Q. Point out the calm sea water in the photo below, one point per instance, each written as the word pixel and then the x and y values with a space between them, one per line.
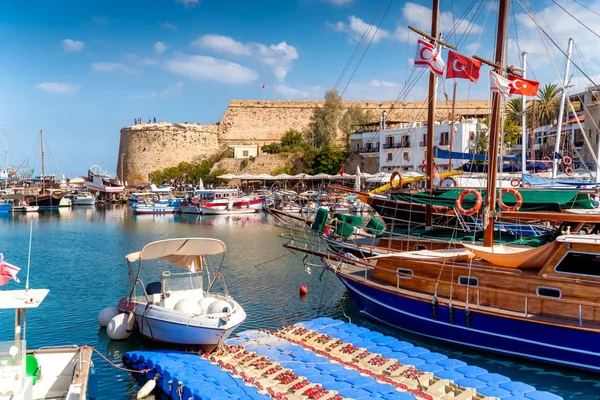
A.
pixel 79 255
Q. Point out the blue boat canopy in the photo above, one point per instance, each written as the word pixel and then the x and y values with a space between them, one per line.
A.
pixel 440 153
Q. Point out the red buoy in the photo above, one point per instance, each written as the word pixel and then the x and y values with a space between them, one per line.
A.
pixel 303 290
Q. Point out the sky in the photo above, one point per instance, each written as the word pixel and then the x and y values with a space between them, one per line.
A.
pixel 81 70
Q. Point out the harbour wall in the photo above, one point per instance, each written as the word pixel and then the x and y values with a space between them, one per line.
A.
pixel 148 147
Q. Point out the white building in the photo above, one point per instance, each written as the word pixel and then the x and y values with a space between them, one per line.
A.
pixel 245 151
pixel 404 148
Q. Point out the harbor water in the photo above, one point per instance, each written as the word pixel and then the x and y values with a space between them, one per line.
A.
pixel 79 255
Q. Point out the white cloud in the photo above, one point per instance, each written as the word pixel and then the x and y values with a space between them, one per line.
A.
pixel 170 91
pixel 100 20
pixel 302 92
pixel 188 3
pixel 58 87
pixel 72 46
pixel 356 28
pixel 168 25
pixel 375 89
pixel 113 67
pixel 222 44
pixel 159 48
pixel 279 57
pixel 420 17
pixel 209 68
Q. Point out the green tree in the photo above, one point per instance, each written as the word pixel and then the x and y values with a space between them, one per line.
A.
pixel 326 160
pixel 292 138
pixel 353 116
pixel 324 123
pixel 513 110
pixel 547 105
pixel 512 132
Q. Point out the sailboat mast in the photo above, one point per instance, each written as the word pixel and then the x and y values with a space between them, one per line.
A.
pixel 42 147
pixel 431 115
pixel 452 127
pixel 490 206
pixel 523 120
pixel 562 109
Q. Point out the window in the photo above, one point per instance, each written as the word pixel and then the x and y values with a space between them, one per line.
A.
pixel 548 292
pixel 389 157
pixel 424 141
pixel 590 133
pixel 471 135
pixel 444 138
pixel 404 273
pixel 357 146
pixel 579 140
pixel 406 157
pixel 389 141
pixel 465 280
pixel 579 264
pixel 405 141
pixel 245 153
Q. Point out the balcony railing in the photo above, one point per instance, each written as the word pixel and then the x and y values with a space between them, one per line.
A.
pixel 401 145
pixel 444 142
pixel 422 144
pixel 369 150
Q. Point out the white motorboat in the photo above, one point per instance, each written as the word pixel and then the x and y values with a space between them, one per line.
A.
pixel 228 210
pixel 47 373
pixel 160 206
pixel 102 182
pixel 179 309
pixel 163 189
pixel 84 199
pixel 24 209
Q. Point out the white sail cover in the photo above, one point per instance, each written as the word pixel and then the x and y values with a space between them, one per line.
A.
pixel 184 252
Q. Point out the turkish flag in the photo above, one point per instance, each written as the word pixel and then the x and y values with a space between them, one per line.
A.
pixel 464 67
pixel 522 86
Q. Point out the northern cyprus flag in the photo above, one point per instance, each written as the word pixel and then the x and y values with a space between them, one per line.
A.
pixel 428 56
pixel 499 84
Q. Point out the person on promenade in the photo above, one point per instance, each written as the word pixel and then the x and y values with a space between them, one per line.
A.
pixel 154 119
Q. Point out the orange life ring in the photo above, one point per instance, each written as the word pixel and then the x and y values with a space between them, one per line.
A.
pixel 526 184
pixel 396 174
pixel 517 195
pixel 461 197
pixel 515 182
pixel 569 171
pixel 546 160
pixel 567 160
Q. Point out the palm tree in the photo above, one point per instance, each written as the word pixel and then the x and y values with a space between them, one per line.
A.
pixel 547 105
pixel 513 110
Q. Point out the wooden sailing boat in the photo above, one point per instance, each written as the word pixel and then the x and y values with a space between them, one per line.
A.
pixel 544 305
pixel 48 198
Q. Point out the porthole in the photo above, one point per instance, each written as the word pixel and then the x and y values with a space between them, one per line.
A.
pixel 468 281
pixel 543 291
pixel 404 273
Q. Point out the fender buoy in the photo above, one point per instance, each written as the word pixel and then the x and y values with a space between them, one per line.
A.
pixel 303 290
pixel 546 160
pixel 526 184
pixel 569 171
pixel 396 183
pixel 461 197
pixel 567 160
pixel 515 182
pixel 451 179
pixel 517 195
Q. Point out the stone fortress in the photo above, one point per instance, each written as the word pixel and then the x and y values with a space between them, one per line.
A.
pixel 149 147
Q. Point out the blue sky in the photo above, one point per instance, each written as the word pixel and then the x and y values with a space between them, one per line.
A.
pixel 81 70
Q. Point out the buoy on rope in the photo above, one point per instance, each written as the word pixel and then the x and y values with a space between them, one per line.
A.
pixel 106 315
pixel 121 326
pixel 147 388
pixel 303 290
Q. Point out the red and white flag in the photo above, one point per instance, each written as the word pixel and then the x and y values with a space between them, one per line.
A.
pixel 428 56
pixel 263 85
pixel 7 271
pixel 499 84
pixel 522 86
pixel 464 67
pixel 341 171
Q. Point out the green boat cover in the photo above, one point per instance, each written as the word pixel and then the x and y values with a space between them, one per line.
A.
pixel 533 200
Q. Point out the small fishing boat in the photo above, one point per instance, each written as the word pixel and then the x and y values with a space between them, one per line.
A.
pixel 159 206
pixel 181 309
pixel 230 209
pixel 84 199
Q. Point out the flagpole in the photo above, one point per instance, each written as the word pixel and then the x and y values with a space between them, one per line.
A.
pixel 562 110
pixel 523 120
pixel 452 127
pixel 431 115
pixel 29 255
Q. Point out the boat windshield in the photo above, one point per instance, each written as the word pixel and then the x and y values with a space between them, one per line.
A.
pixel 182 281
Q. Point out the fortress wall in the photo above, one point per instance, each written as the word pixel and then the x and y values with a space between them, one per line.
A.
pixel 149 147
pixel 254 121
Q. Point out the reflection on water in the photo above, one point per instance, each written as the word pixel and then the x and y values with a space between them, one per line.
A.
pixel 79 255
